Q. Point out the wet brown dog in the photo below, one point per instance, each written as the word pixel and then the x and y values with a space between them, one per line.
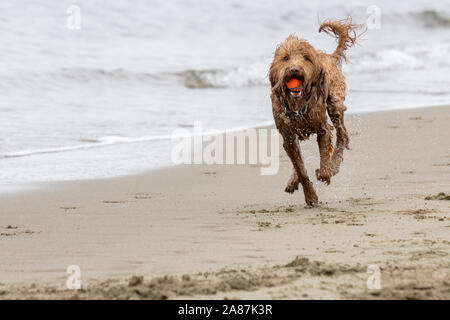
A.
pixel 301 112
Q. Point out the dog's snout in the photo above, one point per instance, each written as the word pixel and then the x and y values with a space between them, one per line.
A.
pixel 295 70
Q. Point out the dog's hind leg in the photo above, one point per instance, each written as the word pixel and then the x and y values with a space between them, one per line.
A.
pixel 336 110
pixel 292 148
pixel 324 138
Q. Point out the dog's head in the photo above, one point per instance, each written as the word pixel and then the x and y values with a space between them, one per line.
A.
pixel 297 59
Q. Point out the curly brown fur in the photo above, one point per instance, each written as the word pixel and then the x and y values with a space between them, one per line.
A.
pixel 297 116
pixel 344 31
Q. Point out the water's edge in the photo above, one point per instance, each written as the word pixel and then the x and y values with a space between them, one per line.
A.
pixel 14 188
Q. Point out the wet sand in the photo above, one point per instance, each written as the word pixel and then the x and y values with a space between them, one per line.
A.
pixel 225 231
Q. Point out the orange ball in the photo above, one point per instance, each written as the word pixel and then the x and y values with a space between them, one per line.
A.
pixel 294 83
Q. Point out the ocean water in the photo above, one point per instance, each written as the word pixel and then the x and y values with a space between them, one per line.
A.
pixel 103 100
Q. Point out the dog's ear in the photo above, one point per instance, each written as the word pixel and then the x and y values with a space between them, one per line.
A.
pixel 274 82
pixel 322 85
pixel 272 76
pixel 318 88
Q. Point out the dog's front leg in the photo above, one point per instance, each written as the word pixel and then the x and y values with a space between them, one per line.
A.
pixel 326 152
pixel 292 149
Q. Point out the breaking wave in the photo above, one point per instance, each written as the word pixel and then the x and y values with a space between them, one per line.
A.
pixel 433 18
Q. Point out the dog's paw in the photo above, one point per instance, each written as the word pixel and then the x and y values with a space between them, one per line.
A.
pixel 324 175
pixel 334 171
pixel 292 186
pixel 311 199
pixel 334 168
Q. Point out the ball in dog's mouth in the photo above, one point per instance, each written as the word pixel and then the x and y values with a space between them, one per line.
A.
pixel 295 87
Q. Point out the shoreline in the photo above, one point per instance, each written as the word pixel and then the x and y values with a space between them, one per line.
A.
pixel 30 186
pixel 192 219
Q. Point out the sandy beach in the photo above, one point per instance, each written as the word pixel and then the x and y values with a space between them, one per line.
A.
pixel 225 231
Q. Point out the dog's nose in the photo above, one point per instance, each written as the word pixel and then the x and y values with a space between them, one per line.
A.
pixel 295 70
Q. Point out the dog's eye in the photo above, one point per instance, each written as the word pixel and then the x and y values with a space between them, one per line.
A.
pixel 286 58
pixel 307 58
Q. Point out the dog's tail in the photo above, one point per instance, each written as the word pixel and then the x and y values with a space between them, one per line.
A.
pixel 344 31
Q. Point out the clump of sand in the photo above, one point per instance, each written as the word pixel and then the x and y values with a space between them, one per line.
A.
pixel 207 283
pixel 439 196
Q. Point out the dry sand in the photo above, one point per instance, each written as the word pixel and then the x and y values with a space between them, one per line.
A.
pixel 227 232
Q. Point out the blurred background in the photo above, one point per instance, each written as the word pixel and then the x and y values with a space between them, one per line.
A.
pixel 103 100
